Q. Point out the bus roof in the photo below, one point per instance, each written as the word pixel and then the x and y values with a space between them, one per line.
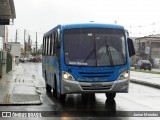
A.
pixel 92 25
pixel 86 25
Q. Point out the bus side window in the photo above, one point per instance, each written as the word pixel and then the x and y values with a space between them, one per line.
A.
pixel 45 45
pixel 54 49
pixel 49 45
pixel 53 45
pixel 57 44
pixel 50 50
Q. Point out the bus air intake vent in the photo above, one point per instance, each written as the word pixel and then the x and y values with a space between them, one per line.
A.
pixel 96 74
pixel 96 87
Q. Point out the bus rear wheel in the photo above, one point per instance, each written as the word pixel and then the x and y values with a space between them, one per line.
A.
pixel 48 87
pixel 110 95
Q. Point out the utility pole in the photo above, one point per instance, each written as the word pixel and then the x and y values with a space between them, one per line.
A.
pixel 139 50
pixel 36 43
pixel 29 45
pixel 24 43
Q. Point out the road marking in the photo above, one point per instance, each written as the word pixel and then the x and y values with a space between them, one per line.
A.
pixel 7 95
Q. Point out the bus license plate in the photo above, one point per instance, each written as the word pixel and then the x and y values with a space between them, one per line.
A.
pixel 96 85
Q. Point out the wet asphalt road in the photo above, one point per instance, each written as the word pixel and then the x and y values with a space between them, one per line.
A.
pixel 77 106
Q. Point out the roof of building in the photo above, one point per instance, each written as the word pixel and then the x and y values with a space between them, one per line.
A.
pixel 7 12
pixel 11 43
pixel 150 38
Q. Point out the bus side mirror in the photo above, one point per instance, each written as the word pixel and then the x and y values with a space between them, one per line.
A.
pixel 130 47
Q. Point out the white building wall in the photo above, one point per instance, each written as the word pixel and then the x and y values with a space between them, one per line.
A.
pixel 2 30
pixel 1 43
pixel 15 49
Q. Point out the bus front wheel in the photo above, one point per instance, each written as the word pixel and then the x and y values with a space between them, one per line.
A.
pixel 110 95
pixel 55 87
pixel 60 96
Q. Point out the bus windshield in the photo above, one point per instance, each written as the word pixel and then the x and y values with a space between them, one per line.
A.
pixel 94 47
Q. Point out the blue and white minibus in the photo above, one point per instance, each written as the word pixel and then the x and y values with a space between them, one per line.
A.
pixel 87 58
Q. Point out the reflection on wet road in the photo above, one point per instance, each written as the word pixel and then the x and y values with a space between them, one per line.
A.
pixel 138 99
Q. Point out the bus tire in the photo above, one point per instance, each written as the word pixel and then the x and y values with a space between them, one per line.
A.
pixel 110 95
pixel 55 87
pixel 48 87
pixel 61 97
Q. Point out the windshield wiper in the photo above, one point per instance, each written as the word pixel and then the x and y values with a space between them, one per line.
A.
pixel 92 51
pixel 89 55
pixel 109 53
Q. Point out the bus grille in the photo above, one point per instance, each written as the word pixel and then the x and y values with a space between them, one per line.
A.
pixel 96 74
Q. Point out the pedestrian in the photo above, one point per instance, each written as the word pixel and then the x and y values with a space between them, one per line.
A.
pixel 17 60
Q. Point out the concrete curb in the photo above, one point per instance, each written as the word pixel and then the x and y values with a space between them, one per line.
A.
pixel 145 83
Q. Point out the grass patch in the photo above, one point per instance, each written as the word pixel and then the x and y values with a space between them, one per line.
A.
pixel 145 71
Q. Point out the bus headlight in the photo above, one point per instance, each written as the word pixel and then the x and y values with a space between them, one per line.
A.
pixel 124 75
pixel 67 76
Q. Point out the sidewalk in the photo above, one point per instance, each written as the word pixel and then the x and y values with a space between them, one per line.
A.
pixel 153 69
pixel 148 79
pixel 17 87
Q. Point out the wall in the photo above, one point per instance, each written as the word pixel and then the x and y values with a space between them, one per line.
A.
pixel 15 49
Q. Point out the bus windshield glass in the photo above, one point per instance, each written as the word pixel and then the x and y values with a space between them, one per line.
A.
pixel 94 47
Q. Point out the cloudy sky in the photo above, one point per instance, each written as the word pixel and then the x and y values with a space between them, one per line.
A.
pixel 138 16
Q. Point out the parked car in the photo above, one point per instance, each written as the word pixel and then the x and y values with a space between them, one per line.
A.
pixel 21 59
pixel 143 64
pixel 36 59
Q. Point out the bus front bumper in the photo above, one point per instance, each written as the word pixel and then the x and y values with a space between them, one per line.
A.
pixel 69 87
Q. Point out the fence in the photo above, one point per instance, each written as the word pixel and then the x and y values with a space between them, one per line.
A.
pixel 1 63
pixel 5 63
pixel 9 62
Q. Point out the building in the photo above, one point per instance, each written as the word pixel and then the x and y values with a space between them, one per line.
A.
pixel 3 49
pixel 2 36
pixel 148 47
pixel 7 16
pixel 15 48
pixel 7 12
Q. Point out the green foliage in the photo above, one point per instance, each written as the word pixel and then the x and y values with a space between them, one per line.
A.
pixel 35 54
